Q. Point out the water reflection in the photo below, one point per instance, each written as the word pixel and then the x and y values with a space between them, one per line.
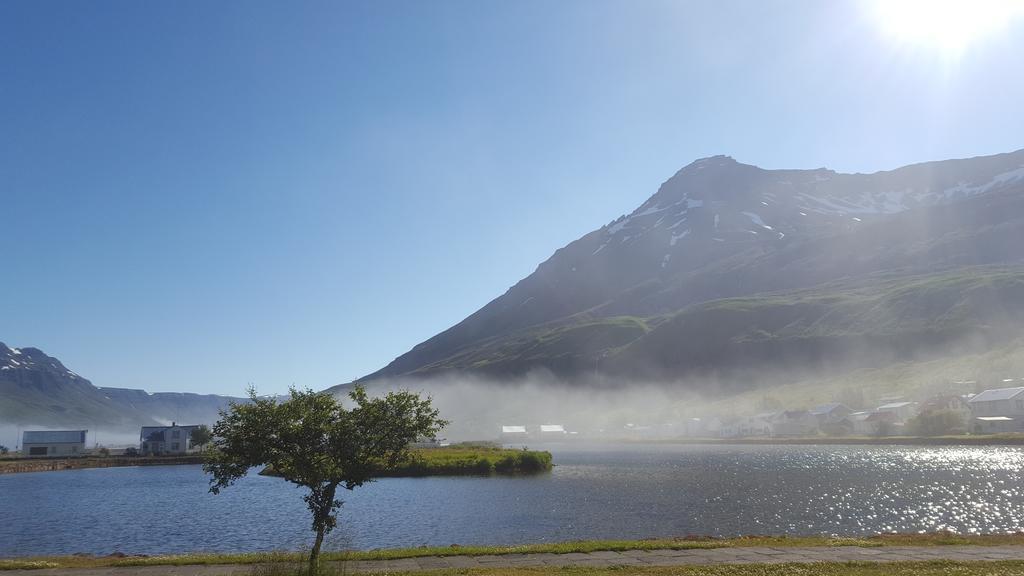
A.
pixel 594 492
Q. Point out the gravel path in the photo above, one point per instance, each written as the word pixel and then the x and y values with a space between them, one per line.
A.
pixel 738 555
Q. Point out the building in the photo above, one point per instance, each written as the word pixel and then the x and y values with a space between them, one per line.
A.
pixel 553 430
pixel 166 440
pixel 872 423
pixel 951 403
pixel 513 433
pixel 1001 403
pixel 53 442
pixel 994 425
pixel 757 425
pixel 901 411
pixel 831 413
pixel 794 423
pixel 833 419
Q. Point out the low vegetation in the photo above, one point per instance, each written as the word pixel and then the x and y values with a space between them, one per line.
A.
pixel 477 459
pixel 686 543
pixel 23 464
pixel 473 460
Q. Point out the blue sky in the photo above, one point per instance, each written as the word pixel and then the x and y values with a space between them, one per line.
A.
pixel 200 195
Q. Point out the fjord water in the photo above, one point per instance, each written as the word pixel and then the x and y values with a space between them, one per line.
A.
pixel 622 491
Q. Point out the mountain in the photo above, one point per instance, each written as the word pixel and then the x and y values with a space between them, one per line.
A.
pixel 729 268
pixel 38 390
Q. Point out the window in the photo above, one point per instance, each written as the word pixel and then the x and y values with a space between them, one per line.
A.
pixel 174 446
pixel 176 434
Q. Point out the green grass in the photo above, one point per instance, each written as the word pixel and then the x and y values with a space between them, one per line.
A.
pixel 478 459
pixel 937 568
pixel 474 460
pixel 936 539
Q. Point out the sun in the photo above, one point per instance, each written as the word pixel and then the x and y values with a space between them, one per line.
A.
pixel 947 25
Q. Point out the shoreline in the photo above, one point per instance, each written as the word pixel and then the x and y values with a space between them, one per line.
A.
pixel 929 540
pixel 969 440
pixel 29 465
pixel 448 461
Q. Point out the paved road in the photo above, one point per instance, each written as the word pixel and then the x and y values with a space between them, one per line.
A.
pixel 600 560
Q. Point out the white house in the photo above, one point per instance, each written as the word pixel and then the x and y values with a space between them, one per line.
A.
pixel 53 442
pixel 872 423
pixel 994 425
pixel 757 425
pixel 166 440
pixel 900 411
pixel 513 433
pixel 998 403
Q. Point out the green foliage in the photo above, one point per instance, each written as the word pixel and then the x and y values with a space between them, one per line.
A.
pixel 3 449
pixel 936 423
pixel 313 441
pixel 201 436
pixel 103 452
pixel 478 460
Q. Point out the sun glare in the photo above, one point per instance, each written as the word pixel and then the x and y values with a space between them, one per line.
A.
pixel 948 25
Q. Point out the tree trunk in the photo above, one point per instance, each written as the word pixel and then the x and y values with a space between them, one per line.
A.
pixel 314 554
pixel 323 524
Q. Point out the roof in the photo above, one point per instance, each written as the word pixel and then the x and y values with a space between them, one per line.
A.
pixel 156 433
pixel 552 428
pixel 825 408
pixel 53 437
pixel 513 429
pixel 997 394
pixel 894 405
pixel 995 418
pixel 860 416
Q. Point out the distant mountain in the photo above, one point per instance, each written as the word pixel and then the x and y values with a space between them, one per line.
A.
pixel 730 268
pixel 38 390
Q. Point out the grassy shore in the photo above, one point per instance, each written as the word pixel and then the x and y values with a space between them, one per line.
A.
pixel 689 543
pixel 478 459
pixel 18 465
pixel 938 568
pixel 823 569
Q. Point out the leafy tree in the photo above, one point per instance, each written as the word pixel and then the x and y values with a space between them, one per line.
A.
pixel 3 449
pixel 313 441
pixel 201 436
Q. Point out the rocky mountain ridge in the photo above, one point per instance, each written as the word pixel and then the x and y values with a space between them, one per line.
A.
pixel 722 229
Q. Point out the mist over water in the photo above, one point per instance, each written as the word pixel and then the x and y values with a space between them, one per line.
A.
pixel 477 408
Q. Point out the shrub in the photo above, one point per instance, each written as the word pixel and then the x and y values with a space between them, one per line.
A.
pixel 936 423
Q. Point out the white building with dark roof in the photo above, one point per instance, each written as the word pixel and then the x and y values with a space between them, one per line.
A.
pixel 162 440
pixel 900 411
pixel 999 409
pixel 53 442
